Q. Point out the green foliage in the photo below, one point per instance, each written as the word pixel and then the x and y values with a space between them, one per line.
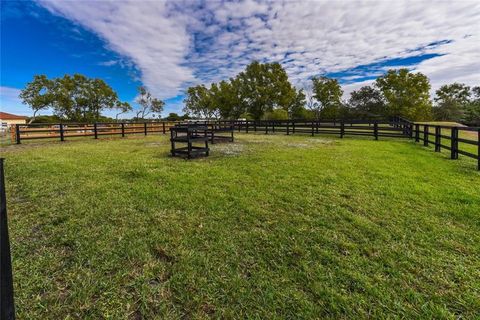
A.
pixel 367 102
pixel 227 99
pixel 260 88
pixel 199 103
pixel 328 94
pixel 407 94
pixel 276 114
pixel 265 86
pixel 472 110
pixel 38 94
pixel 148 104
pixel 78 98
pixel 451 101
pixel 46 119
pixel 72 98
pixel 173 117
pixel 122 107
pixel 296 105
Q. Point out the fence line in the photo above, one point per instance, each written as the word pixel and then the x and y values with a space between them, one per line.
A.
pixel 397 128
pixel 62 131
pixel 434 134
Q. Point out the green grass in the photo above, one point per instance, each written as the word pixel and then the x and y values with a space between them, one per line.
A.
pixel 268 227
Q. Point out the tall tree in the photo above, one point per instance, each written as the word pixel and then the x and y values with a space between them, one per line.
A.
pixel 199 102
pixel 367 102
pixel 38 95
pixel 148 104
pixel 407 94
pixel 328 94
pixel 264 86
pixel 227 100
pixel 295 104
pixel 79 98
pixel 451 101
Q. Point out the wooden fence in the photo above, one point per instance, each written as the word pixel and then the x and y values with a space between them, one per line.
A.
pixel 458 140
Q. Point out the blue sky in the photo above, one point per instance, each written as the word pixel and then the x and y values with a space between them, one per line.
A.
pixel 168 46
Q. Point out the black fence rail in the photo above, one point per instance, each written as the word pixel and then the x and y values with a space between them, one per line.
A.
pixel 374 129
pixel 456 139
pixel 63 131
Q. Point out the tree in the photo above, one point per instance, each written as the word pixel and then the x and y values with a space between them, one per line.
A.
pixel 78 98
pixel 148 104
pixel 38 95
pixel 472 111
pixel 328 94
pixel 295 103
pixel 199 102
pixel 226 99
pixel 173 117
pixel 70 97
pixel 451 101
pixel 406 93
pixel 276 114
pixel 367 102
pixel 122 107
pixel 264 86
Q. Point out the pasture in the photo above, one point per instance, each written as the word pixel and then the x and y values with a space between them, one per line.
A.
pixel 267 227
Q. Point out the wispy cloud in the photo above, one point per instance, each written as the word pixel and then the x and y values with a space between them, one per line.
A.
pixel 174 44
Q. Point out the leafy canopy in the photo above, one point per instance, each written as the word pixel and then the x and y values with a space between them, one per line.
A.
pixel 74 98
pixel 406 93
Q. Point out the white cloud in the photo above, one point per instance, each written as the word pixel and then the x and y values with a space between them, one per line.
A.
pixel 140 31
pixel 176 43
pixel 11 103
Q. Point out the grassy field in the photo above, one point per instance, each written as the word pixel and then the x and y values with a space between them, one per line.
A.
pixel 268 227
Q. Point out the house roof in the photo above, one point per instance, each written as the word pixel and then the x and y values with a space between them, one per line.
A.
pixel 9 116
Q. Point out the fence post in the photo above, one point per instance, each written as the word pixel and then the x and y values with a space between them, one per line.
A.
pixel 454 143
pixel 478 148
pixel 7 305
pixel 123 130
pixel 17 133
pixel 417 132
pixel 375 130
pixel 313 128
pixel 163 127
pixel 438 132
pixel 410 128
pixel 342 129
pixel 95 131
pixel 293 131
pixel 145 128
pixel 266 127
pixel 62 138
pixel 425 135
pixel 288 127
pixel 255 125
pixel 273 126
pixel 246 126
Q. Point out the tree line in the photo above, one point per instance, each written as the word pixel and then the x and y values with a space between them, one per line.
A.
pixel 263 91
pixel 82 99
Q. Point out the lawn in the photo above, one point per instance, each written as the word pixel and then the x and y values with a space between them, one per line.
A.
pixel 268 227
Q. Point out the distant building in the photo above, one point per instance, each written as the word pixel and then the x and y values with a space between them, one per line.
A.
pixel 8 119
